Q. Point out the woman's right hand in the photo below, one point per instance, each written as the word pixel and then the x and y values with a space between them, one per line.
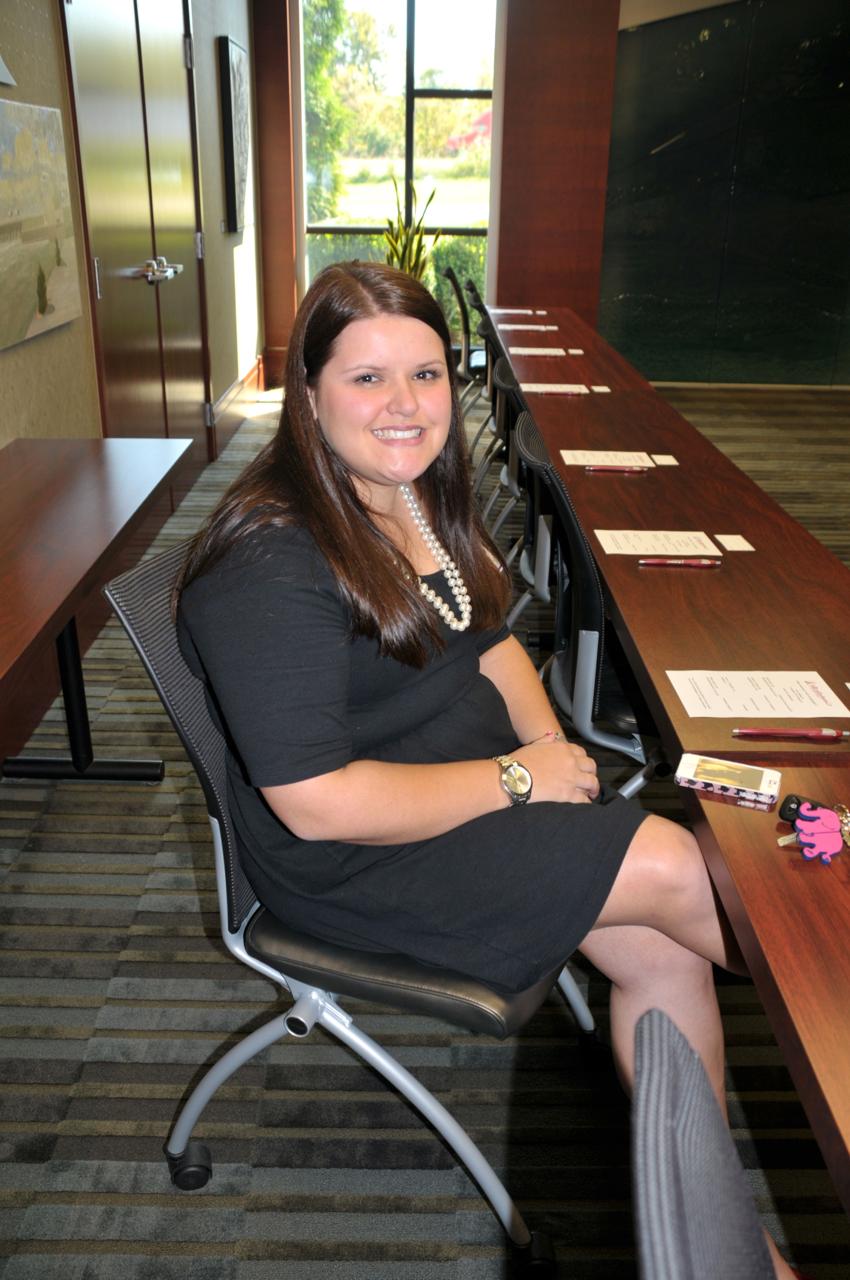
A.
pixel 560 771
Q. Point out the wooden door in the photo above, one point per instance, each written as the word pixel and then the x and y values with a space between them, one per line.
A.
pixel 133 105
pixel 110 122
pixel 176 216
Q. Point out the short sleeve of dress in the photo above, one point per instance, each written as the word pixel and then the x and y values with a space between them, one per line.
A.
pixel 485 640
pixel 273 639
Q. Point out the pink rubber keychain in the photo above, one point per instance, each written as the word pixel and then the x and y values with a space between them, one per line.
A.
pixel 822 832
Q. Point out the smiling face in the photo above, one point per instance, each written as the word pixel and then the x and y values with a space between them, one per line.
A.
pixel 383 402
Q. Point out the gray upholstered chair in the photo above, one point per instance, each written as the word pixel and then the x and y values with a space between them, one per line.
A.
pixel 694 1212
pixel 313 972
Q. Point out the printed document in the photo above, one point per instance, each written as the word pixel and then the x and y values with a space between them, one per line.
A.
pixel 605 458
pixel 781 694
pixel 656 542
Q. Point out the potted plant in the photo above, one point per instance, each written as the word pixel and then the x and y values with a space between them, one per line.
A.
pixel 406 246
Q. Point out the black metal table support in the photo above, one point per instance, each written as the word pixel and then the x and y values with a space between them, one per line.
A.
pixel 82 764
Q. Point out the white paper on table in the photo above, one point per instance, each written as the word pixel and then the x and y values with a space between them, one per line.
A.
pixel 733 542
pixel 605 457
pixel 601 388
pixel 665 460
pixel 536 351
pixel 538 328
pixel 656 542
pixel 513 311
pixel 575 351
pixel 781 694
pixel 555 388
pixel 538 312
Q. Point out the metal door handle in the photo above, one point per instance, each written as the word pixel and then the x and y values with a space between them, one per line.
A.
pixel 168 270
pixel 155 270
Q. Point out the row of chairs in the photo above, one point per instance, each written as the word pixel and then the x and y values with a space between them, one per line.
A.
pixel 315 975
pixel 588 676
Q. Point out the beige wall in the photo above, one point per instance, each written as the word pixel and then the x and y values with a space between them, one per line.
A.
pixel 48 384
pixel 232 269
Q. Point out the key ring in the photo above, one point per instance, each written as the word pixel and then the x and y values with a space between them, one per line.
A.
pixel 844 821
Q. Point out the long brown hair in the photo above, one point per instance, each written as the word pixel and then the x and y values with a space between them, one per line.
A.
pixel 298 479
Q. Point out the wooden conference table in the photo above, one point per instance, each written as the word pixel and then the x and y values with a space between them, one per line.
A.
pixel 66 508
pixel 792 921
pixel 784 606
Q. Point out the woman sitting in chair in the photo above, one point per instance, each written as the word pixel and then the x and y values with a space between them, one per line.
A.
pixel 398 778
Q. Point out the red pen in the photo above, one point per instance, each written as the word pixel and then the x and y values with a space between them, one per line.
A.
pixel 613 467
pixel 805 735
pixel 679 562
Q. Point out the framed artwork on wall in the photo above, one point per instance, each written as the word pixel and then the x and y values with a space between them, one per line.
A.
pixel 6 76
pixel 39 286
pixel 236 128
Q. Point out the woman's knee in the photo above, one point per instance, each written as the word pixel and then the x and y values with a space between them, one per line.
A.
pixel 664 871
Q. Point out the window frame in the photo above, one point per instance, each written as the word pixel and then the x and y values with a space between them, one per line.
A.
pixel 411 94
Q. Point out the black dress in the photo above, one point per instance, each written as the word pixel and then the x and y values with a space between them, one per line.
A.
pixel 505 897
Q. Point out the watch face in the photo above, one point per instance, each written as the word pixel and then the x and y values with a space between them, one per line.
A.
pixel 517 779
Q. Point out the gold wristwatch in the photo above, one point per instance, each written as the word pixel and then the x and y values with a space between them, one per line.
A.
pixel 515 779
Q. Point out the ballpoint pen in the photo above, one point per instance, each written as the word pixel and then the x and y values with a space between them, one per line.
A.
pixel 679 562
pixel 805 735
pixel 613 467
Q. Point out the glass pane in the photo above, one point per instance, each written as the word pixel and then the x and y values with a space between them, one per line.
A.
pixel 451 148
pixel 354 69
pixel 454 44
pixel 368 197
pixel 322 250
pixel 467 255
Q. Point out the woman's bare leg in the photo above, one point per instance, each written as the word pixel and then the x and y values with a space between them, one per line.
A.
pixel 656 938
pixel 650 971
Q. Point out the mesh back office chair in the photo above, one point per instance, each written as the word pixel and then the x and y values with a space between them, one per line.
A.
pixel 475 297
pixel 694 1211
pixel 488 395
pixel 493 348
pixel 472 366
pixel 583 680
pixel 510 482
pixel 536 545
pixel 312 971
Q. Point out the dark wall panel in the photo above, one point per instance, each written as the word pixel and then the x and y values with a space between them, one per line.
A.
pixel 784 287
pixel 727 232
pixel 676 111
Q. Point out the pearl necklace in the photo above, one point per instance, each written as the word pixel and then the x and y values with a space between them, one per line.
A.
pixel 446 564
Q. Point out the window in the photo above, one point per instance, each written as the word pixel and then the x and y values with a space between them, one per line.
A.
pixel 398 89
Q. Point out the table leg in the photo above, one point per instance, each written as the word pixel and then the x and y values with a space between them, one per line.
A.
pixel 82 764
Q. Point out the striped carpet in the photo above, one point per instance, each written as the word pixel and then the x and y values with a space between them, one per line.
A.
pixel 115 992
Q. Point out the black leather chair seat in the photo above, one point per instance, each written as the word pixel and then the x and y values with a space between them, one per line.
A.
pixel 396 979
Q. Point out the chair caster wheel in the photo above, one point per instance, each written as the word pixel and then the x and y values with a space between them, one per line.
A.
pixel 537 1260
pixel 192 1169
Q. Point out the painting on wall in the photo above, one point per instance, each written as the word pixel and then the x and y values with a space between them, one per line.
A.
pixel 39 288
pixel 236 126
pixel 6 76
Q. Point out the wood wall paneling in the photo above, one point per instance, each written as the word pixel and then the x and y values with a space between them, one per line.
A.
pixel 558 94
pixel 230 409
pixel 274 160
